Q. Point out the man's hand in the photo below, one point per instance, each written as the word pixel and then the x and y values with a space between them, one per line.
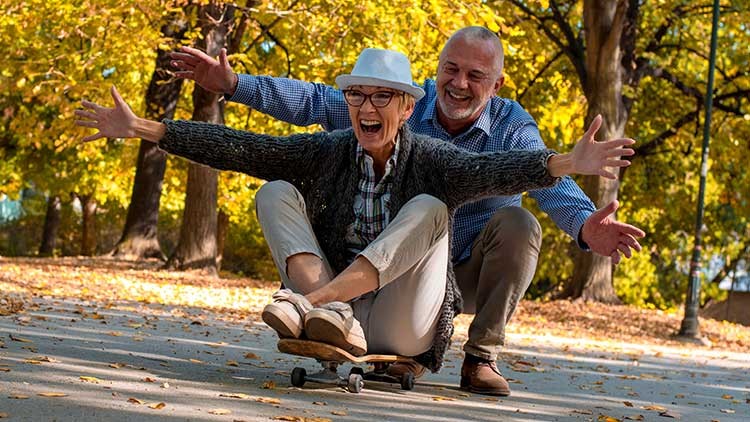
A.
pixel 116 122
pixel 609 237
pixel 211 74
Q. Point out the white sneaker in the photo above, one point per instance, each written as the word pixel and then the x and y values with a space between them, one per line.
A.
pixel 286 314
pixel 334 324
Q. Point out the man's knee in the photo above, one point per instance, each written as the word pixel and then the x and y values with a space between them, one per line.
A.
pixel 515 223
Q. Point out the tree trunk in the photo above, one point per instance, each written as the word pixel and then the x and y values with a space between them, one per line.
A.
pixel 222 225
pixel 51 226
pixel 139 237
pixel 604 25
pixel 196 248
pixel 88 237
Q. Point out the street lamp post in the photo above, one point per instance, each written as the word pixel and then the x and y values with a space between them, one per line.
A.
pixel 689 327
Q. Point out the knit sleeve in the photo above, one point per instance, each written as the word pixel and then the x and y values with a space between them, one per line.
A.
pixel 263 156
pixel 470 176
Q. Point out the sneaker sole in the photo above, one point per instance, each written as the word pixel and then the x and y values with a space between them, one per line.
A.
pixel 326 329
pixel 283 325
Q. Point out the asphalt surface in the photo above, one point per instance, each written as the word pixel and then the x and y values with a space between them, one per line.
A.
pixel 73 361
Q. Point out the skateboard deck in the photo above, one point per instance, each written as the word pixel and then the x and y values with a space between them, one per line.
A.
pixel 329 353
pixel 331 357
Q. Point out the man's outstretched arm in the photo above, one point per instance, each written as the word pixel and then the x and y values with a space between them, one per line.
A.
pixel 289 100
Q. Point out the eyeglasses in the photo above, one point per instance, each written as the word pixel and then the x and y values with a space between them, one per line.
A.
pixel 378 99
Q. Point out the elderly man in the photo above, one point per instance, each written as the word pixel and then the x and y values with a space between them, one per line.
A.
pixel 495 241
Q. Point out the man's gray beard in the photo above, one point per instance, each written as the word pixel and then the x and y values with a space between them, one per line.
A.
pixel 454 115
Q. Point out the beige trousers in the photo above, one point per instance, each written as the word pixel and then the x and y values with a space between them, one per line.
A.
pixel 411 256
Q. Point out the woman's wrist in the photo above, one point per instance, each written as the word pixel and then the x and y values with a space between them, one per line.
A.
pixel 149 130
pixel 559 165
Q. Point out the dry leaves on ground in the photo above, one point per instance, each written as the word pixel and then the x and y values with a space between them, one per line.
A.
pixel 234 298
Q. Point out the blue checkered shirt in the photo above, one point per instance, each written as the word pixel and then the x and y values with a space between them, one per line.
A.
pixel 371 214
pixel 503 125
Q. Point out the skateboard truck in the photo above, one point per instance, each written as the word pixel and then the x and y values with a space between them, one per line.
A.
pixel 330 357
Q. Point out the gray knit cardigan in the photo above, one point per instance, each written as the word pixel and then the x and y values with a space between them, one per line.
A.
pixel 323 167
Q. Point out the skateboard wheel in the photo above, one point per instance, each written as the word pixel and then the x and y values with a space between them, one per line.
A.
pixel 357 370
pixel 298 377
pixel 355 383
pixel 407 381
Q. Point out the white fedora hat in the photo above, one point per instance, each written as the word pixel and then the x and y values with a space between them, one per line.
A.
pixel 386 68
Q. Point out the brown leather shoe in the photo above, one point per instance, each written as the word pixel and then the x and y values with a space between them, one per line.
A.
pixel 483 377
pixel 398 369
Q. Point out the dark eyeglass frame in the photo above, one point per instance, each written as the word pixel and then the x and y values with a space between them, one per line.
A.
pixel 370 97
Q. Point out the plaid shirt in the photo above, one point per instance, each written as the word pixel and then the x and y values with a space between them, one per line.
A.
pixel 503 126
pixel 371 214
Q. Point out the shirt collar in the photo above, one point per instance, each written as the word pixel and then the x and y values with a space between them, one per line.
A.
pixel 391 161
pixel 484 122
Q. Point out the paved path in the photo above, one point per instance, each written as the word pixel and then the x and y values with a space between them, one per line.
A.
pixel 112 362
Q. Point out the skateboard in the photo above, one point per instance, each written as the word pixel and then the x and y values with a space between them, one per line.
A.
pixel 330 357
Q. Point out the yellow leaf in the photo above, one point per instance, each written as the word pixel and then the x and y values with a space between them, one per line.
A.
pixel 440 398
pixel 268 385
pixel 220 412
pixel 135 401
pixel 655 407
pixel 18 396
pixel 606 418
pixel 235 395
pixel 52 395
pixel 727 396
pixel 115 334
pixel 196 361
pixel 157 406
pixel 268 400
pixel 116 365
pixel 89 379
pixel 338 413
pixel 232 363
pixel 250 355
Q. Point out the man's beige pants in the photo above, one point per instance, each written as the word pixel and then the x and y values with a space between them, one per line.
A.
pixel 411 256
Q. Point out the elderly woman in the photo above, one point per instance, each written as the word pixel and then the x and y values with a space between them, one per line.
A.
pixel 358 221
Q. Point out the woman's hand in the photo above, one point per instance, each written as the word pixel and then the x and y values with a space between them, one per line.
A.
pixel 592 157
pixel 117 122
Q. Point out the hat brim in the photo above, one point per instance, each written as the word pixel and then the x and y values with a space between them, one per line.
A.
pixel 345 81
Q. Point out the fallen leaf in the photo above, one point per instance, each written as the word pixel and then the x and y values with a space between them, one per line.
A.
pixel 115 334
pixel 320 403
pixel 441 398
pixel 338 413
pixel 583 411
pixel 634 417
pixel 149 379
pixel 18 396
pixel 196 361
pixel 668 414
pixel 235 395
pixel 490 399
pixel 679 396
pixel 4 415
pixel 4 369
pixel 116 365
pixel 727 396
pixel 655 407
pixel 135 401
pixel 32 361
pixel 607 418
pixel 727 411
pixel 251 355
pixel 157 406
pixel 165 385
pixel 628 404
pixel 268 400
pixel 52 394
pixel 220 412
pixel 19 339
pixel 232 363
pixel 90 379
pixel 268 385
pixel 47 359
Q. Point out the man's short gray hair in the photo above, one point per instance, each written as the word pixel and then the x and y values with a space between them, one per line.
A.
pixel 483 34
